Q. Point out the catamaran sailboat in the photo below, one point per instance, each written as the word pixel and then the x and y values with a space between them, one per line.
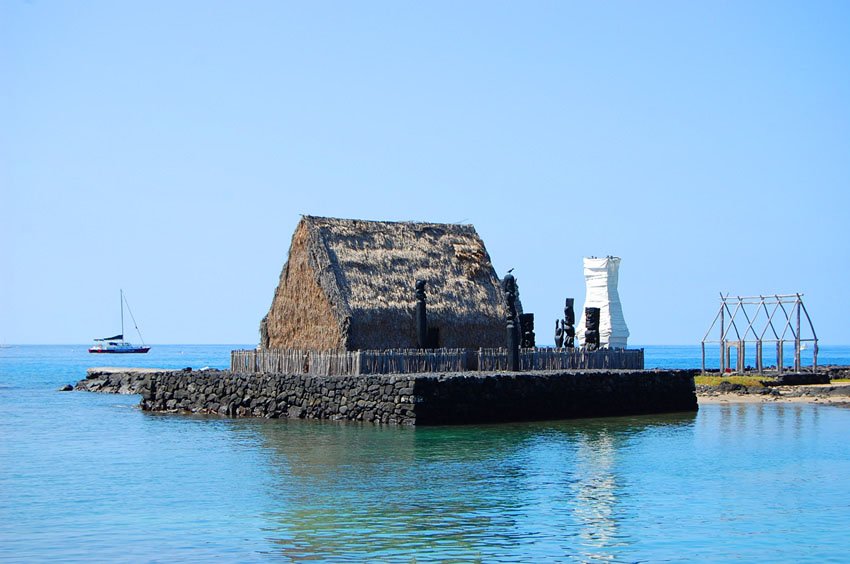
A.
pixel 116 344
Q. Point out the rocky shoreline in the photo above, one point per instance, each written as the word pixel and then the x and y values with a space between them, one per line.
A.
pixel 117 380
pixel 824 386
pixel 726 392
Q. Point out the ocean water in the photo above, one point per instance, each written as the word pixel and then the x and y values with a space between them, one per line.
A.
pixel 689 356
pixel 89 477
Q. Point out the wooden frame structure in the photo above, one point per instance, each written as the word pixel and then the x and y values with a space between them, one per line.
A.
pixel 762 314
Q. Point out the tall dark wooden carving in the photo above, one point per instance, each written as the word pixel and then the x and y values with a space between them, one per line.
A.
pixel 509 284
pixel 559 333
pixel 569 323
pixel 591 332
pixel 421 316
pixel 526 325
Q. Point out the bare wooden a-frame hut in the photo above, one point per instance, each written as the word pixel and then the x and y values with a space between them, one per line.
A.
pixel 349 284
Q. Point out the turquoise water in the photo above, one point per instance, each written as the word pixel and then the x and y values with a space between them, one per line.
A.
pixel 90 477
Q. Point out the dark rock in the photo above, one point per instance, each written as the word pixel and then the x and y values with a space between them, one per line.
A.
pixel 66 388
pixel 727 387
pixel 798 379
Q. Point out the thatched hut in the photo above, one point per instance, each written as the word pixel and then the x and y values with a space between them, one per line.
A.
pixel 349 284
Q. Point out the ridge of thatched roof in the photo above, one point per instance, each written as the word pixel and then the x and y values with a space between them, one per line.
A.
pixel 377 262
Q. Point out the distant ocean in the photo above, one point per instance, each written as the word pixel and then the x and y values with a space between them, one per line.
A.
pixel 90 477
pixel 690 356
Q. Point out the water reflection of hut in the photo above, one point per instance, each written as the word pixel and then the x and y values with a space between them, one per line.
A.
pixel 349 284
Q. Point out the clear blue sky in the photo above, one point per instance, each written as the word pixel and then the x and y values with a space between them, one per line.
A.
pixel 169 148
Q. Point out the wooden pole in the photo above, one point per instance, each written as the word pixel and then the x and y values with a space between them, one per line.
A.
pixel 421 319
pixel 741 357
pixel 722 337
pixel 510 325
pixel 797 338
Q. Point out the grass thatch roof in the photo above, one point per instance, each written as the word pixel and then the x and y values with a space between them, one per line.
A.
pixel 350 284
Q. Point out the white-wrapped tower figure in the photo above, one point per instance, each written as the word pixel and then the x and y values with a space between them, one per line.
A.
pixel 601 276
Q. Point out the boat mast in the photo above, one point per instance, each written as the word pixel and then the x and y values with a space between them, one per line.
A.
pixel 122 314
pixel 130 311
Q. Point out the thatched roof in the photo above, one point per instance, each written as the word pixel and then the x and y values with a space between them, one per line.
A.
pixel 350 284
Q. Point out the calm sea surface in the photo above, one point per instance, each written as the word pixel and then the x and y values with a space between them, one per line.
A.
pixel 90 477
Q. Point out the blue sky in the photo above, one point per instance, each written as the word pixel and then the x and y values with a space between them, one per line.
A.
pixel 169 148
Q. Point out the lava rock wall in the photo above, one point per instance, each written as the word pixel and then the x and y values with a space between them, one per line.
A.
pixel 422 399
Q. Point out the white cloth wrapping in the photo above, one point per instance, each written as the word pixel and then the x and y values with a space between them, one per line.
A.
pixel 601 276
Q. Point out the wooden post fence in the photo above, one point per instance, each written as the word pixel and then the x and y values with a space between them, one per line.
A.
pixel 405 361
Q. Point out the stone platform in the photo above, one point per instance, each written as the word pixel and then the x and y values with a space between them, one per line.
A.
pixel 407 399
